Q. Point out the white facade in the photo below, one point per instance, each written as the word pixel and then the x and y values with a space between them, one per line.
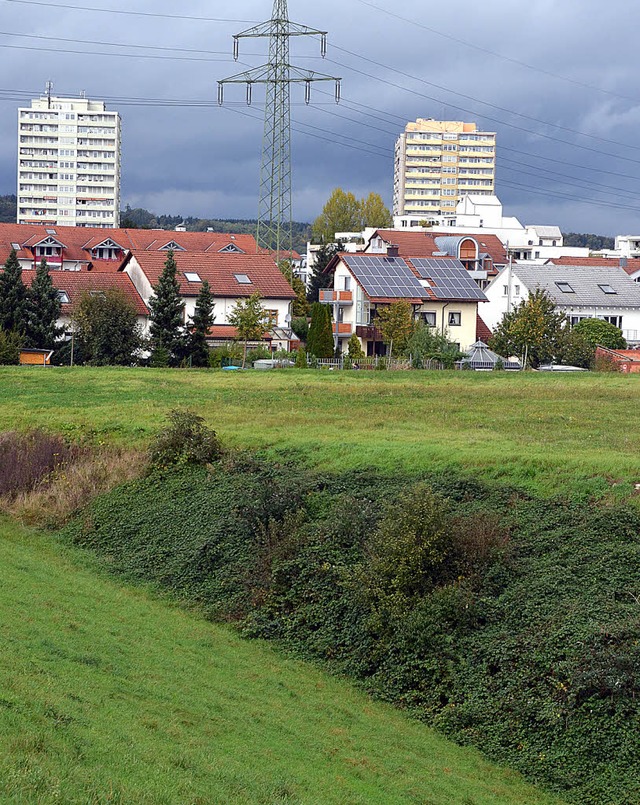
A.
pixel 69 154
pixel 530 243
pixel 583 296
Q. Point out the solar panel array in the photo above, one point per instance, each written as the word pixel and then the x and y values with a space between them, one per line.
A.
pixel 448 283
pixel 436 262
pixel 386 277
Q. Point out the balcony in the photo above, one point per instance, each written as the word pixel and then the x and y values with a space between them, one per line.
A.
pixel 368 332
pixel 330 296
pixel 342 328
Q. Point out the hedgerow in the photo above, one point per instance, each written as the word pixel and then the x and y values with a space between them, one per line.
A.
pixel 507 622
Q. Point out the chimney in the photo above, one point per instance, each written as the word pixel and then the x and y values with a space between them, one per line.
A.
pixel 393 250
pixel 623 262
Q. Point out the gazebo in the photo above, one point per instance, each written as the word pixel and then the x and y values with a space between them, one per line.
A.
pixel 480 357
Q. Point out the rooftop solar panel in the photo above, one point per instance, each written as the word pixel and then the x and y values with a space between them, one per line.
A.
pixel 451 282
pixel 388 277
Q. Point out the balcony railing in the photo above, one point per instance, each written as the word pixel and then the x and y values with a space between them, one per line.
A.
pixel 341 297
pixel 368 332
pixel 342 328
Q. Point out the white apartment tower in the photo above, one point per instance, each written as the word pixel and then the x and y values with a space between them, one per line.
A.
pixel 68 163
pixel 439 161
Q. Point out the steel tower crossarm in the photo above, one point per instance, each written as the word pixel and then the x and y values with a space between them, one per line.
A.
pixel 275 228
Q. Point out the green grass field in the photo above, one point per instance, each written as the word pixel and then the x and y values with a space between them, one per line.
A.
pixel 108 695
pixel 548 433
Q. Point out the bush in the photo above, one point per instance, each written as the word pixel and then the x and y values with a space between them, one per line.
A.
pixel 10 343
pixel 187 440
pixel 28 458
pixel 301 359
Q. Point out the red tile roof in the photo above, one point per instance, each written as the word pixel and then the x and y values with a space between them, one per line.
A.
pixel 423 244
pixel 78 241
pixel 77 283
pixel 226 331
pixel 219 270
pixel 633 264
pixel 483 332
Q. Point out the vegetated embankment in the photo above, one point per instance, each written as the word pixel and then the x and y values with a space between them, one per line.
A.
pixel 509 622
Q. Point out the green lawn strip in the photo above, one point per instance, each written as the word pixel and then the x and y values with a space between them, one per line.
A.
pixel 110 695
pixel 542 432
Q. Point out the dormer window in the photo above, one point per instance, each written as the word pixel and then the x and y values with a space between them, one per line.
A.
pixel 243 279
pixel 192 276
pixel 231 248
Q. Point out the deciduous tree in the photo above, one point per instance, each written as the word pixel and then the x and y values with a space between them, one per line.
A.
pixel 396 325
pixel 106 329
pixel 601 333
pixel 251 321
pixel 533 330
pixel 374 212
pixel 341 213
pixel 300 306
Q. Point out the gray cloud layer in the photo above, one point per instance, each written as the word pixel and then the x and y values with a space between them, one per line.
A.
pixel 205 161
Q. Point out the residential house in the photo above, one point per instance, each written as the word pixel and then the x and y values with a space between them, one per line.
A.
pixel 630 265
pixel 85 249
pixel 441 292
pixel 231 277
pixel 580 292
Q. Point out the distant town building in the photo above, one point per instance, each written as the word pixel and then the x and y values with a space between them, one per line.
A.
pixel 439 161
pixel 68 163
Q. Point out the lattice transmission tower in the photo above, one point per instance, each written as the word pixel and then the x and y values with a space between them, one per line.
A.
pixel 275 217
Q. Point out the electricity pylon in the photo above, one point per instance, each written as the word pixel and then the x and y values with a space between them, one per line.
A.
pixel 275 217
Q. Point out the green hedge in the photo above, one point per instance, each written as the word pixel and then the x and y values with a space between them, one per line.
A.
pixel 507 622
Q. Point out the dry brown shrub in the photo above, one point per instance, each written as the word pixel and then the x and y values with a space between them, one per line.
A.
pixel 71 486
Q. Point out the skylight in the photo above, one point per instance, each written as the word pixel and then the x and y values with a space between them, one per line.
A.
pixel 607 289
pixel 565 287
pixel 15 246
pixel 50 231
pixel 63 296
pixel 243 279
pixel 192 276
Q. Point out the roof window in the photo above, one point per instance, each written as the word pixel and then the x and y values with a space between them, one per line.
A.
pixel 63 296
pixel 50 231
pixel 15 246
pixel 607 289
pixel 192 276
pixel 243 279
pixel 564 287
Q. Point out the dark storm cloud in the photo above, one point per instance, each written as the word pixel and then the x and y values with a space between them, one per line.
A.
pixel 206 161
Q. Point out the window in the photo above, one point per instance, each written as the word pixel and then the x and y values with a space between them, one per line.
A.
pixel 429 318
pixel 243 279
pixel 98 294
pixel 505 290
pixel 516 290
pixel 564 287
pixel 63 296
pixel 192 276
pixel 347 283
pixel 455 319
pixel 273 317
pixel 607 289
pixel 15 246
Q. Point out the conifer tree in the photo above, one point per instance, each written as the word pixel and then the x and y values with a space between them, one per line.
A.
pixel 167 313
pixel 320 338
pixel 13 297
pixel 201 322
pixel 43 311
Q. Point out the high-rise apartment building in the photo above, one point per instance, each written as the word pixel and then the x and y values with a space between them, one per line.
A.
pixel 68 163
pixel 439 161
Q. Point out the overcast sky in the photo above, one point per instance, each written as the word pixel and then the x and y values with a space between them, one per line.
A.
pixel 570 64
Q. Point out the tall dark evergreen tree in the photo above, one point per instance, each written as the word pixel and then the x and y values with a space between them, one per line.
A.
pixel 167 314
pixel 43 311
pixel 202 320
pixel 320 338
pixel 319 279
pixel 13 297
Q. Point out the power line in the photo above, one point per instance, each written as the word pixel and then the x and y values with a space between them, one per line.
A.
pixel 497 55
pixel 130 13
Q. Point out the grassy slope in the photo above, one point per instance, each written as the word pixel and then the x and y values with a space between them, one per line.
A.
pixel 107 695
pixel 546 432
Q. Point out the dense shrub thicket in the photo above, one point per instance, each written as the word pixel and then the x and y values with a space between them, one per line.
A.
pixel 507 622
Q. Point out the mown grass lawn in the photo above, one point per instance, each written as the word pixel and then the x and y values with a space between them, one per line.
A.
pixel 548 433
pixel 108 695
